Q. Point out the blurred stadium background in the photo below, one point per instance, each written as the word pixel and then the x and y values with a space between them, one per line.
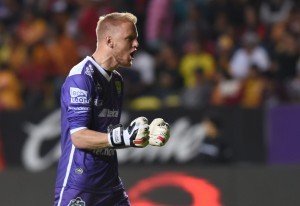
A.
pixel 235 63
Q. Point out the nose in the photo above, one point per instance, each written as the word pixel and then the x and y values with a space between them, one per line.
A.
pixel 135 44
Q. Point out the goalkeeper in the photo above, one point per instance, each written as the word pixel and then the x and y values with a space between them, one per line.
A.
pixel 91 103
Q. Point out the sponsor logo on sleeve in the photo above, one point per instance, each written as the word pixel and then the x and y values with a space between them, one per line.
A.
pixel 78 96
pixel 79 108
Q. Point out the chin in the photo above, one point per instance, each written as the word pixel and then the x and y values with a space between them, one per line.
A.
pixel 128 64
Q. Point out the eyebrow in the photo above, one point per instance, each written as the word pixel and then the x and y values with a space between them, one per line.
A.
pixel 131 36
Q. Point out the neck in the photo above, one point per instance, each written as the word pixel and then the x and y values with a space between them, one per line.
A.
pixel 104 62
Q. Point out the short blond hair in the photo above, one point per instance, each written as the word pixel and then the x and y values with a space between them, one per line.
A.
pixel 114 19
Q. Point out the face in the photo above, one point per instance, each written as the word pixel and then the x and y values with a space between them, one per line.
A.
pixel 125 44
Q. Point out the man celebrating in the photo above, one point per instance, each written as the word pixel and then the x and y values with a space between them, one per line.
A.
pixel 91 103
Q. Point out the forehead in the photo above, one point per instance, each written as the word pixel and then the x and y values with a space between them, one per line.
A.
pixel 127 29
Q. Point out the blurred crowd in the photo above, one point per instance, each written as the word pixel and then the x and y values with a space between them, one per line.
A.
pixel 193 53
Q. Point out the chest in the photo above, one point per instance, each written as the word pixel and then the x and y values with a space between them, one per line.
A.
pixel 107 99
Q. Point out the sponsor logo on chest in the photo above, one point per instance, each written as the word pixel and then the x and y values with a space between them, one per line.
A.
pixel 104 152
pixel 108 113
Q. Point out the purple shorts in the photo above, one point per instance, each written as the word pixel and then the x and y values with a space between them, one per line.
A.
pixel 73 197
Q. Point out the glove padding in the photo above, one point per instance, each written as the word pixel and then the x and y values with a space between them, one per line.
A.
pixel 136 134
pixel 159 132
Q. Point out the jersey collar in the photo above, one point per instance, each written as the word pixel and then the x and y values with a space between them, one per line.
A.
pixel 100 69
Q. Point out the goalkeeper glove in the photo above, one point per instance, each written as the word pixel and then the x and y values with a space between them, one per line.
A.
pixel 159 132
pixel 136 134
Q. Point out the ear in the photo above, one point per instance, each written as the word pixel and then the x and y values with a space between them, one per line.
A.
pixel 109 42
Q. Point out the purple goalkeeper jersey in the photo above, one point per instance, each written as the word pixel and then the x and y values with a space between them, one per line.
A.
pixel 90 98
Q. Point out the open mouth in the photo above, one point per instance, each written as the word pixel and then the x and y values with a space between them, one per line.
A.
pixel 132 55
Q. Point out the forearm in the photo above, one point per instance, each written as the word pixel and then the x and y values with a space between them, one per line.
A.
pixel 89 139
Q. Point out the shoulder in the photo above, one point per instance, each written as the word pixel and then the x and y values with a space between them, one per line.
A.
pixel 81 75
pixel 85 68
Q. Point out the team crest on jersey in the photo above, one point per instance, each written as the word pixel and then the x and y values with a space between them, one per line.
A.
pixel 89 70
pixel 77 202
pixel 118 87
pixel 79 171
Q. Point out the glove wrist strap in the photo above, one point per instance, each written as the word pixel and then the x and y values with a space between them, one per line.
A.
pixel 115 136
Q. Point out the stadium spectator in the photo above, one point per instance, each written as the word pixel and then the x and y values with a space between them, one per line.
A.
pixel 214 149
pixel 194 26
pixel 167 63
pixel 196 57
pixel 293 86
pixel 10 12
pixel 227 91
pixel 232 10
pixel 248 54
pixel 32 27
pixel 293 21
pixel 222 26
pixel 164 90
pixel 223 53
pixel 134 84
pixel 158 23
pixel 253 89
pixel 285 56
pixel 275 11
pixel 10 89
pixel 198 95
pixel 64 53
pixel 252 23
pixel 144 64
pixel 33 76
pixel 13 51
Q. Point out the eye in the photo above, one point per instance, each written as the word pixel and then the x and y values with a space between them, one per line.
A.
pixel 131 38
